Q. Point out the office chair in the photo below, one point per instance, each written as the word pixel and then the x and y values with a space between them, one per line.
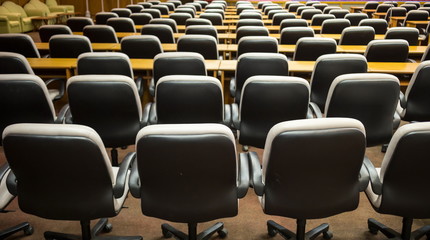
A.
pixel 395 4
pixel 60 152
pixel 371 5
pixel 416 15
pixel 77 24
pixel 110 104
pixel 134 8
pixel 141 18
pixel 197 21
pixel 197 6
pixel 215 18
pixel 426 55
pixel 145 5
pixel 339 13
pixel 189 144
pixel 188 99
pixel 122 24
pixel 395 12
pixel 309 13
pixel 202 3
pixel 155 13
pixel 257 44
pixel 249 22
pixel 122 12
pixel 380 25
pixel 251 31
pixel 176 63
pixel 169 22
pixel 18 43
pixel 334 26
pixel 320 6
pixel 100 34
pixel 202 29
pixel 164 10
pixel 301 9
pixel 327 68
pixel 143 46
pixel 305 174
pixel 279 17
pixel 355 18
pixel 318 19
pixel 188 6
pixel 206 45
pixel 242 7
pixel 162 31
pixel 250 15
pixel 273 12
pixel 387 50
pixel 252 64
pixel 68 46
pixel 312 3
pixel 186 10
pixel 329 8
pixel 310 48
pixel 293 7
pixel 405 159
pixel 409 7
pixel 357 35
pixel 47 31
pixel 219 11
pixel 170 5
pixel 272 98
pixel 180 18
pixel 383 8
pixel 409 34
pixel 290 35
pixel 102 17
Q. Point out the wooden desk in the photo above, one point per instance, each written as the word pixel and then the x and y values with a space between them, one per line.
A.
pixel 66 64
pixel 417 23
pixel 354 9
pixel 379 15
pixel 95 46
pixel 181 28
pixel 234 21
pixel 39 21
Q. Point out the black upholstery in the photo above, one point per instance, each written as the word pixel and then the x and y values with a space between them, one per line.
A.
pixel 122 12
pixel 409 34
pixel 18 43
pixel 279 17
pixel 164 10
pixel 186 10
pixel 104 63
pixel 309 13
pixel 329 8
pixel 215 18
pixel 355 18
pixel 100 34
pixel 141 18
pixel 61 151
pixel 205 29
pixel 334 26
pixel 371 5
pixel 239 9
pixel 426 55
pixel 77 24
pixel 145 5
pixel 383 7
pixel 301 9
pixel 144 46
pixel 134 8
pixel 336 142
pixel 380 25
pixel 266 101
pixel 357 35
pixel 47 31
pixel 198 6
pixel 290 35
pixel 122 24
pixel 395 12
pixel 197 21
pixel 318 19
pixel 293 7
pixel 249 22
pixel 219 11
pixel 320 6
pixel 388 50
pixel 339 13
pixel 102 17
pixel 180 18
pixel 409 7
pixel 394 190
pixel 257 44
pixel 416 15
pixel 251 31
pixel 218 190
pixel 293 23
pixel 310 48
pixel 162 31
pixel 155 13
pixel 68 46
pixel 169 22
pixel 206 45
pixel 250 15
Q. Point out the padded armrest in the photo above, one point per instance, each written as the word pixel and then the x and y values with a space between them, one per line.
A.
pixel 12 16
pixel 227 115
pixel 374 177
pixel 243 184
pixel 363 178
pixel 134 182
pixel 256 173
pixel 35 13
pixel 11 184
pixel 62 114
pixel 153 114
pixel 139 86
pixel 121 177
pixel 315 110
pixel 402 99
pixel 3 170
pixel 58 9
pixel 68 118
pixel 4 19
pixel 233 87
pixel 145 115
pixel 235 115
pixel 396 120
pixel 152 87
pixel 62 84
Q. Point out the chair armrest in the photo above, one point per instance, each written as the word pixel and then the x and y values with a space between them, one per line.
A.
pixel 256 173
pixel 3 170
pixel 227 115
pixel 58 9
pixel 145 115
pixel 62 114
pixel 139 86
pixel 35 13
pixel 62 84
pixel 235 115
pixel 12 16
pixel 402 99
pixel 134 182
pixel 121 177
pixel 11 184
pixel 152 87
pixel 315 110
pixel 4 19
pixel 243 184
pixel 363 178
pixel 373 175
pixel 153 114
pixel 396 120
pixel 233 87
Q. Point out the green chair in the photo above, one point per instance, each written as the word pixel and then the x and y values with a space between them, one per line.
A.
pixel 15 12
pixel 54 5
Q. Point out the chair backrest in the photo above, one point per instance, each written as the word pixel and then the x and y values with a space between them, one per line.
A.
pixel 336 142
pixel 257 44
pixel 197 21
pixel 368 97
pixel 371 5
pixel 109 104
pixel 188 145
pixel 355 18
pixel 249 22
pixel 77 24
pixel 68 46
pixel 357 35
pixel 251 64
pixel 145 5
pixel 219 11
pixel 100 34
pixel 47 31
pixel 251 31
pixel 409 7
pixel 318 19
pixel 320 6
pixel 81 151
pixel 198 6
pixel 417 15
pixel 426 55
pixel 178 63
pixel 240 9
pixel 250 15
pixel 108 63
pixel 380 25
pixel 395 12
pixel 206 45
pixel 409 34
pixel 310 48
pixel 169 22
pixel 293 23
pixel 279 17
pixel 24 98
pixel 155 13
pixel 334 26
pixel 122 24
pixel 164 10
pixel 383 7
pixel 177 3
pixel 290 35
pixel 395 4
pixel 387 50
pixel 189 99
pixel 205 29
pixel 18 43
pixel 215 18
pixel 102 17
pixel 14 63
pixel 339 13
pixel 329 8
pixel 122 12
pixel 134 8
pixel 301 9
pixel 143 46
pixel 330 66
pixel 180 18
pixel 309 13
pixel 141 18
pixel 273 12
pixel 405 158
pixel 277 98
pixel 162 31
pixel 186 10
pixel 293 7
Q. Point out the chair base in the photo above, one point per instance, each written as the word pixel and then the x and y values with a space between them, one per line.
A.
pixel 169 231
pixel 273 228
pixel 88 233
pixel 26 227
pixel 406 234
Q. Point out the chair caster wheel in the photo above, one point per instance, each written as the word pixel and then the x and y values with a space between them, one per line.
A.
pixel 107 228
pixel 223 233
pixel 28 230
pixel 327 235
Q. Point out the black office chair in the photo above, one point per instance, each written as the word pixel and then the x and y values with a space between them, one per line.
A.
pixel 355 18
pixel 164 10
pixel 339 13
pixel 122 24
pixel 162 31
pixel 293 7
pixel 249 22
pixel 169 22
pixel 206 45
pixel 141 18
pixel 188 99
pixel 327 68
pixel 320 6
pixel 416 15
pixel 219 11
pixel 100 34
pixel 383 8
pixel 86 186
pixel 18 43
pixel 310 48
pixel 409 34
pixel 77 24
pixel 318 19
pixel 380 25
pixel 396 187
pixel 47 31
pixel 143 46
pixel 189 144
pixel 395 12
pixel 68 46
pixel 242 7
pixel 202 3
pixel 171 5
pixel 371 5
pixel 197 6
pixel 202 29
pixel 257 44
pixel 329 8
pixel 293 23
pixel 387 50
pixel 409 7
pixel 215 18
pixel 134 8
pixel 251 64
pixel 357 35
pixel 279 17
pixel 266 101
pixel 145 5
pixel 334 26
pixel 292 174
pixel 251 31
pixel 155 13
pixel 102 17
pixel 250 15
pixel 186 10
pixel 290 35
pixel 197 21
pixel 122 12
pixel 180 18
pixel 309 13
pixel 301 9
